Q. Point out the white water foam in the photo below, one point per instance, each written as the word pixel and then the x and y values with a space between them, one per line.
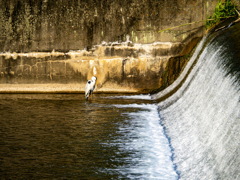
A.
pixel 202 119
pixel 150 140
pixel 147 97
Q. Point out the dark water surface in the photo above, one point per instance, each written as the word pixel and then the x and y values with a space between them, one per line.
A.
pixel 60 136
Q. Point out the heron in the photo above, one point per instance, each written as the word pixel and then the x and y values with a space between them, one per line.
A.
pixel 90 86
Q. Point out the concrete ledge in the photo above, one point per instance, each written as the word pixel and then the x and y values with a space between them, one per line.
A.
pixel 57 88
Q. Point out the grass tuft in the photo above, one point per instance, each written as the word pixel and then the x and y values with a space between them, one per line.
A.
pixel 223 10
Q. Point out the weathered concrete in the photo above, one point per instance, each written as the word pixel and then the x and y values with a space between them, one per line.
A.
pixel 44 25
pixel 133 73
pixel 63 43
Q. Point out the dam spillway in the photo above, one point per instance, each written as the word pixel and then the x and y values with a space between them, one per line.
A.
pixel 199 112
pixel 202 118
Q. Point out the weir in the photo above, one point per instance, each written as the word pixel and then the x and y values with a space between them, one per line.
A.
pixel 67 42
pixel 202 118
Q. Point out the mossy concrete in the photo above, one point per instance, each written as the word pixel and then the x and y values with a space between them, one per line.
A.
pixel 125 73
pixel 44 25
pixel 66 42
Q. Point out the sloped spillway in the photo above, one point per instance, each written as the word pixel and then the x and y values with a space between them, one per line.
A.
pixel 202 118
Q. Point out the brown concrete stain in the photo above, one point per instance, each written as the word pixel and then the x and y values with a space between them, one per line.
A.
pixel 126 66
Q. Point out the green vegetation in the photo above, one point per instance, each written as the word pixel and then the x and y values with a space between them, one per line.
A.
pixel 223 10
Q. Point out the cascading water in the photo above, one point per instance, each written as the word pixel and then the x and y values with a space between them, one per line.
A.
pixel 202 119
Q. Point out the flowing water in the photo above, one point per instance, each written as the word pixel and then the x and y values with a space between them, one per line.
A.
pixel 197 135
pixel 202 119
pixel 60 136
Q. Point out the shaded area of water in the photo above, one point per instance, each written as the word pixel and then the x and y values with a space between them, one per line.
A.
pixel 65 137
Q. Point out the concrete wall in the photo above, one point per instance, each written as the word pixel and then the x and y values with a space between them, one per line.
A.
pixel 63 25
pixel 135 73
pixel 118 41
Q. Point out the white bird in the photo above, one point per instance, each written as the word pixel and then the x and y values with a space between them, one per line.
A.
pixel 90 86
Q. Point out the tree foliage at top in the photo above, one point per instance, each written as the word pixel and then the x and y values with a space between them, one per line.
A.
pixel 223 10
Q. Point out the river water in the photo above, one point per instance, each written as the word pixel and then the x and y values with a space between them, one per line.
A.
pixel 63 136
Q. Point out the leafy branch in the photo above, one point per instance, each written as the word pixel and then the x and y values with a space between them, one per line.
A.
pixel 184 25
pixel 223 10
